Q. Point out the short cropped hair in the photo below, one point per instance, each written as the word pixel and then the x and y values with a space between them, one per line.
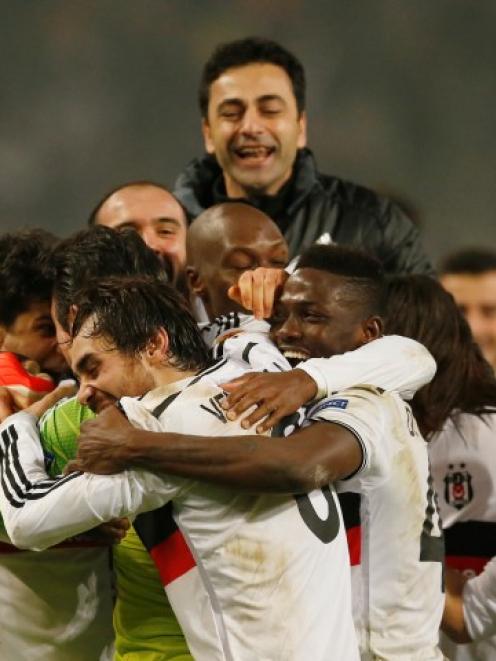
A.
pixel 364 274
pixel 249 51
pixel 141 183
pixel 472 260
pixel 95 253
pixel 129 311
pixel 26 273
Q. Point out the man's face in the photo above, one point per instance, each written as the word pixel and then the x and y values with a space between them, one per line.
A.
pixel 32 335
pixel 314 319
pixel 253 128
pixel 244 246
pixel 155 214
pixel 475 295
pixel 104 373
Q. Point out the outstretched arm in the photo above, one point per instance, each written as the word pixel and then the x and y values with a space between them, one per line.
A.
pixel 39 512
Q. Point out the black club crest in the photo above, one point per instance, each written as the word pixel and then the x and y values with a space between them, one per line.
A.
pixel 458 490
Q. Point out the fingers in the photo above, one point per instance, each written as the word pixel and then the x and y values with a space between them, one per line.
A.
pixel 7 404
pixel 256 290
pixel 234 293
pixel 49 400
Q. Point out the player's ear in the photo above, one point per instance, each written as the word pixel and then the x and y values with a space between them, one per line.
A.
pixel 302 130
pixel 195 282
pixel 372 328
pixel 207 137
pixel 158 347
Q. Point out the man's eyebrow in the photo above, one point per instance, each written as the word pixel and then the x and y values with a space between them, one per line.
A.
pixel 84 363
pixel 165 220
pixel 270 97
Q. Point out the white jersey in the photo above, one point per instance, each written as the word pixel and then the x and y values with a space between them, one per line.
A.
pixel 479 603
pixel 268 563
pixel 463 461
pixel 397 589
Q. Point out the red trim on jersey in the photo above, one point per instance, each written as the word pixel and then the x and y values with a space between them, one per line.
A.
pixel 463 562
pixel 354 537
pixel 172 557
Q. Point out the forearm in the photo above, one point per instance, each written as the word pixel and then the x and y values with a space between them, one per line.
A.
pixel 39 512
pixel 297 464
pixel 453 623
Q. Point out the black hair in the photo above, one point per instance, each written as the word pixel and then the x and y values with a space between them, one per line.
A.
pixel 95 253
pixel 417 306
pixel 471 260
pixel 129 311
pixel 138 184
pixel 363 273
pixel 248 51
pixel 26 273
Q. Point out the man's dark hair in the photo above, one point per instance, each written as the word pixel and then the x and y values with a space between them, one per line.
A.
pixel 363 274
pixel 249 51
pixel 129 184
pixel 26 274
pixel 129 311
pixel 419 307
pixel 95 253
pixel 472 260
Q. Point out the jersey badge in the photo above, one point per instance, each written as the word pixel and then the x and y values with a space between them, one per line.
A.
pixel 335 403
pixel 458 490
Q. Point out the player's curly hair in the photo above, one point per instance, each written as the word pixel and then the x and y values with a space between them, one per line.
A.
pixel 129 311
pixel 417 306
pixel 26 271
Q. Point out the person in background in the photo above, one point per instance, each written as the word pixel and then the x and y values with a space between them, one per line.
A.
pixel 470 276
pixel 457 413
pixel 152 211
pixel 56 605
pixel 254 123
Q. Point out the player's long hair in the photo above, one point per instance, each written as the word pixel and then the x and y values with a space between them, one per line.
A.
pixel 417 306
pixel 128 311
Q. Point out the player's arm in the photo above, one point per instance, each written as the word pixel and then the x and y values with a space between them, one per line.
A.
pixel 336 446
pixel 39 512
pixel 470 608
pixel 392 363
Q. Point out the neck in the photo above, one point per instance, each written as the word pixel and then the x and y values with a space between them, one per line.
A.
pixel 163 376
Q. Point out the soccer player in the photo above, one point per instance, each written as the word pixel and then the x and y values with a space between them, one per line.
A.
pixel 267 594
pixel 457 412
pixel 330 305
pixel 55 605
pixel 144 623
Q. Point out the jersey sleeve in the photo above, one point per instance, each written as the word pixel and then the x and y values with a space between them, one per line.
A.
pixel 363 411
pixel 479 603
pixel 392 362
pixel 39 512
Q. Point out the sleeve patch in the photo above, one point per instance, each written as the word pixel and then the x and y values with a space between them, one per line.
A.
pixel 336 403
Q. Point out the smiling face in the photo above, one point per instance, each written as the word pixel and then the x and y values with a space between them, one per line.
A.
pixel 317 318
pixel 152 212
pixel 32 334
pixel 104 373
pixel 254 129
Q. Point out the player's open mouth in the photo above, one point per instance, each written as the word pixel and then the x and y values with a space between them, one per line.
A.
pixel 254 154
pixel 294 356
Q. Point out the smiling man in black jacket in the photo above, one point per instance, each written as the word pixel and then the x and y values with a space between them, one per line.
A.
pixel 252 101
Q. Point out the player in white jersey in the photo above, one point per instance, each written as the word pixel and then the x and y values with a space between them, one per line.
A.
pixel 329 305
pixel 268 563
pixel 457 412
pixel 470 611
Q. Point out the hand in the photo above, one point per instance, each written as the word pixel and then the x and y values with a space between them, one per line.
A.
pixel 275 395
pixel 258 289
pixel 64 390
pixel 7 404
pixel 102 442
pixel 113 531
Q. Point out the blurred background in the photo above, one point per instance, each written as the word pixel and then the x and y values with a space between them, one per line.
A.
pixel 401 98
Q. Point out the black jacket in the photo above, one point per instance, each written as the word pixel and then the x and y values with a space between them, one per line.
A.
pixel 312 205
